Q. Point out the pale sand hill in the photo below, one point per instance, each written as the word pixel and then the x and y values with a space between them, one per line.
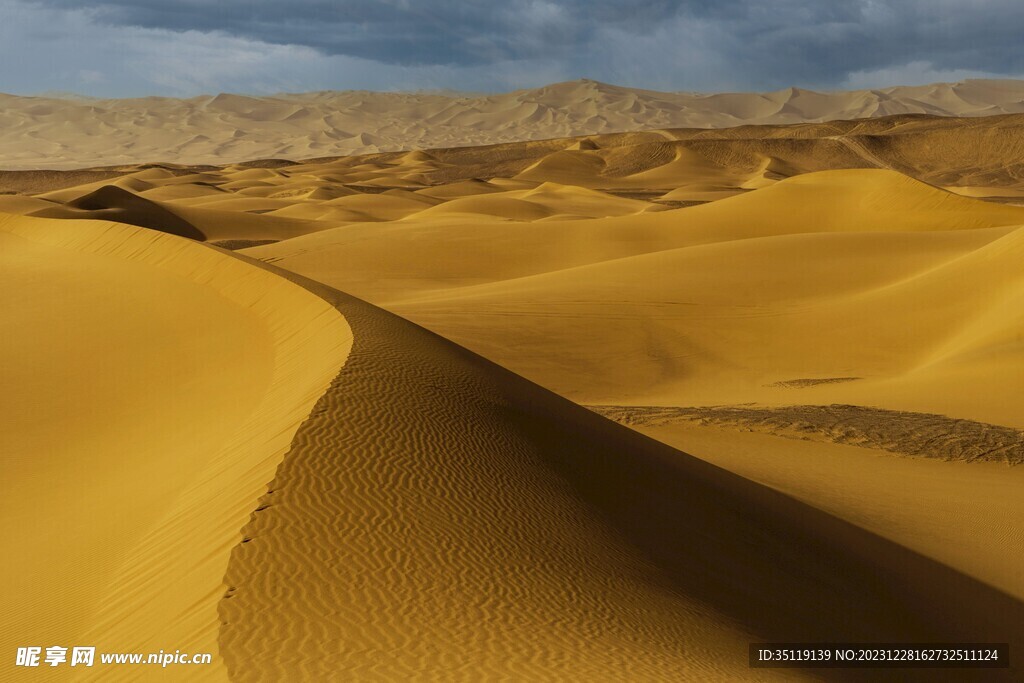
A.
pixel 151 387
pixel 440 518
pixel 46 132
pixel 973 156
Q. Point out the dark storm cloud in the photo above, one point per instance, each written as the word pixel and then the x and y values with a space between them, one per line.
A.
pixel 492 44
pixel 408 32
pixel 784 41
pixel 822 42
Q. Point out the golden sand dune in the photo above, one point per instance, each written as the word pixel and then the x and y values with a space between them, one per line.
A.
pixel 834 273
pixel 823 262
pixel 439 517
pixel 229 128
pixel 964 516
pixel 152 385
pixel 807 309
pixel 435 516
pixel 915 434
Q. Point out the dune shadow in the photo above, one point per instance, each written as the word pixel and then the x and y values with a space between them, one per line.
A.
pixel 113 203
pixel 777 569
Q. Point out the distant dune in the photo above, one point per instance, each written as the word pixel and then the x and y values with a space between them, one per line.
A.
pixel 47 132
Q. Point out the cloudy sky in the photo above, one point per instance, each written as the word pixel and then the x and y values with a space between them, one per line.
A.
pixel 118 48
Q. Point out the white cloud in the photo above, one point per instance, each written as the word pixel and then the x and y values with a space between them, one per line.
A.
pixel 90 77
pixel 193 61
pixel 913 73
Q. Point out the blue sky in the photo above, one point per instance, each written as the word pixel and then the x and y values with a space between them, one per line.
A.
pixel 120 48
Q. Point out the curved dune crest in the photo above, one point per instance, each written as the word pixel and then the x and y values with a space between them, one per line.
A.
pixel 159 385
pixel 439 517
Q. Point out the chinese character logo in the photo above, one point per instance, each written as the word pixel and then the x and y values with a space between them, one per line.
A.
pixel 56 655
pixel 28 656
pixel 83 656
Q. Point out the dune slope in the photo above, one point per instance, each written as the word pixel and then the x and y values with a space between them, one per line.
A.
pixel 826 309
pixel 833 274
pixel 151 386
pixel 440 517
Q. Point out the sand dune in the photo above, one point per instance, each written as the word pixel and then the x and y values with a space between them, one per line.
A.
pixel 953 513
pixel 47 132
pixel 152 385
pixel 463 495
pixel 111 202
pixel 787 244
pixel 826 315
pixel 913 434
pixel 824 269
pixel 678 165
pixel 435 516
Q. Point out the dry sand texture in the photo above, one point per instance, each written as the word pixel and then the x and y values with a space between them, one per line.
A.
pixel 828 315
pixel 37 131
pixel 441 518
pixel 151 387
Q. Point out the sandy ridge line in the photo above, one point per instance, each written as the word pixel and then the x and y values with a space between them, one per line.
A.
pixel 923 435
pixel 438 516
pixel 164 590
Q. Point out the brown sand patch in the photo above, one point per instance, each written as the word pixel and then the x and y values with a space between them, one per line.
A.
pixel 905 433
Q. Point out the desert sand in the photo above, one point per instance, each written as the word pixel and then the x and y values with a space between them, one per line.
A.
pixel 153 385
pixel 597 408
pixel 73 132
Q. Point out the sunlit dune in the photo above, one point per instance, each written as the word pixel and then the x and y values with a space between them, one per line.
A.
pixel 604 407
pixel 155 386
pixel 466 495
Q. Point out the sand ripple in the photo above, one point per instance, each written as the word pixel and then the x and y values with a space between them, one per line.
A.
pixel 439 518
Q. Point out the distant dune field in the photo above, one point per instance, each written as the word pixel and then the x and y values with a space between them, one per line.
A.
pixel 73 132
pixel 606 407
